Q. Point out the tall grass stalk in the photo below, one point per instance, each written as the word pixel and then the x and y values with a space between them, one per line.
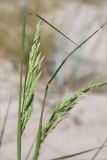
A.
pixel 20 90
pixel 38 143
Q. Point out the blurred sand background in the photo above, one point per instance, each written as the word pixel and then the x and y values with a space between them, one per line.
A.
pixel 86 126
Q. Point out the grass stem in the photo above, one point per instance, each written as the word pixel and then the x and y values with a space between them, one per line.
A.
pixel 20 90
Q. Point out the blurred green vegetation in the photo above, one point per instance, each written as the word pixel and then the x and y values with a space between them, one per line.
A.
pixel 11 13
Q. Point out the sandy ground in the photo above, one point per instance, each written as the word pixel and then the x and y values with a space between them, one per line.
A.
pixel 84 128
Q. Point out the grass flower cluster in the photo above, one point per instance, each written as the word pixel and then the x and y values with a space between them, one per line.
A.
pixel 31 79
pixel 64 106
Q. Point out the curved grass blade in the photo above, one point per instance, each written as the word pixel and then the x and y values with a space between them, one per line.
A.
pixel 78 154
pixel 5 122
pixel 99 150
pixel 69 156
pixel 30 150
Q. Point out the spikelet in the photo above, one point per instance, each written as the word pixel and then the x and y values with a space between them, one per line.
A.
pixel 32 77
pixel 66 105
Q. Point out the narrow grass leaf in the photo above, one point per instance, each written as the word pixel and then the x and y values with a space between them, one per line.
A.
pixel 30 150
pixel 57 30
pixel 78 154
pixel 99 150
pixel 5 122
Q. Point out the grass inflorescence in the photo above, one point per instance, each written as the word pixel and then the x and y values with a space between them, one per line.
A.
pixel 31 79
pixel 64 106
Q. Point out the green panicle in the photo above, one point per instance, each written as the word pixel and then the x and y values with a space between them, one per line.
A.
pixel 32 78
pixel 64 106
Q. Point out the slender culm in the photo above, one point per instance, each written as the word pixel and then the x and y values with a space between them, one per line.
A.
pixel 20 91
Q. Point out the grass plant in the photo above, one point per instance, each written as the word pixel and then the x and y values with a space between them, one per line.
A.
pixel 64 106
pixel 28 88
pixel 39 134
